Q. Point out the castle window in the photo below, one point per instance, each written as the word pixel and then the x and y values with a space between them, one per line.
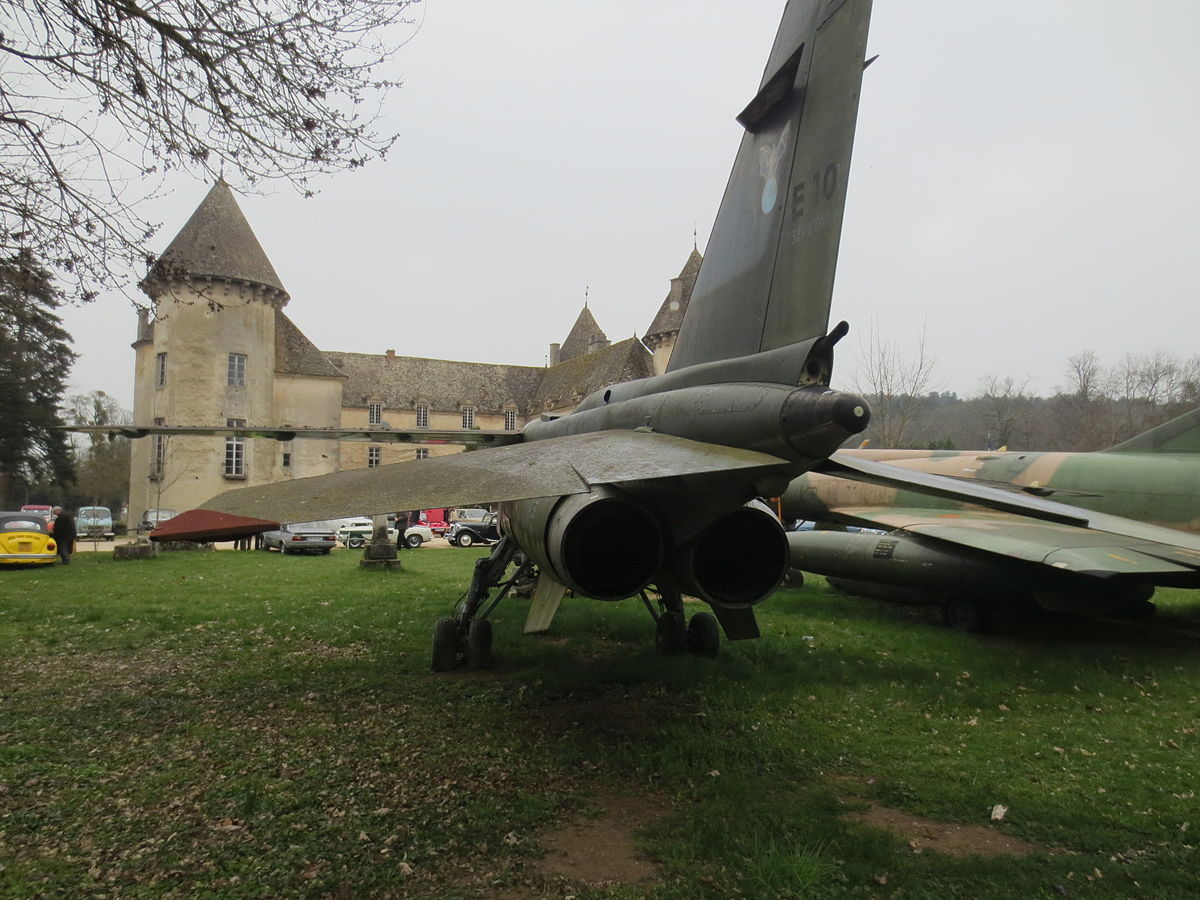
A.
pixel 235 451
pixel 374 413
pixel 468 417
pixel 374 455
pixel 422 416
pixel 158 458
pixel 422 453
pixel 287 459
pixel 160 369
pixel 510 420
pixel 237 370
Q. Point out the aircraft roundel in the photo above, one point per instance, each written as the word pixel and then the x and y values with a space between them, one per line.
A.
pixel 769 194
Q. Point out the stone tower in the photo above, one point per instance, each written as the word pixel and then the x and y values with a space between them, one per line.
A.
pixel 663 331
pixel 216 350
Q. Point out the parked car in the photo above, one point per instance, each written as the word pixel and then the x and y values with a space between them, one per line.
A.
pixel 152 518
pixel 465 534
pixel 356 532
pixel 468 514
pixel 416 535
pixel 41 509
pixel 435 519
pixel 300 537
pixel 94 521
pixel 25 539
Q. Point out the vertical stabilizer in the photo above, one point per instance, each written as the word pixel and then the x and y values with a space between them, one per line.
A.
pixel 767 277
pixel 1180 435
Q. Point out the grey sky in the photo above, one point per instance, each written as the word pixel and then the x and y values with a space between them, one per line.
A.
pixel 1024 184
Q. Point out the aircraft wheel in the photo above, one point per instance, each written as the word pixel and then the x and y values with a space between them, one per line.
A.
pixel 703 635
pixel 466 539
pixel 445 645
pixel 670 633
pixel 794 578
pixel 413 540
pixel 966 614
pixel 355 541
pixel 479 644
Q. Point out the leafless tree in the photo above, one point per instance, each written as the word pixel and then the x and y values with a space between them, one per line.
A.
pixel 897 385
pixel 1006 406
pixel 98 99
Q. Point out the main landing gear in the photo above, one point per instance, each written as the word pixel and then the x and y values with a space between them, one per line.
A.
pixel 466 636
pixel 701 636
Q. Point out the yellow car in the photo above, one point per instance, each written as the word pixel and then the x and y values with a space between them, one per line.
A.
pixel 25 540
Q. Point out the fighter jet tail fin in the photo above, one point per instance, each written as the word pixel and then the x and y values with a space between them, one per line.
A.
pixel 767 276
pixel 1180 435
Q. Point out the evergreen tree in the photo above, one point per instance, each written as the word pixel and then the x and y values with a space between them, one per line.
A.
pixel 35 360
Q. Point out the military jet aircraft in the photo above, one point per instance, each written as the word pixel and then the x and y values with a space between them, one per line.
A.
pixel 654 482
pixel 1131 525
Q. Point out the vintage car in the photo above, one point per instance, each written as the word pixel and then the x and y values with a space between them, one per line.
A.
pixel 94 522
pixel 152 518
pixel 466 534
pixel 25 539
pixel 300 537
pixel 356 532
pixel 416 535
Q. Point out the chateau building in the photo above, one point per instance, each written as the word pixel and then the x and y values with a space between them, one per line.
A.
pixel 216 348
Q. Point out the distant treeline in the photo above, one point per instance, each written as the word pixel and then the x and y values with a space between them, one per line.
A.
pixel 1098 406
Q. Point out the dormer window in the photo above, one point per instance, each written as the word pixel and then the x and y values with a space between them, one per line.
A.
pixel 468 417
pixel 374 413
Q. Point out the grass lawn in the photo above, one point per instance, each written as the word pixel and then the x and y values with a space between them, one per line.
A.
pixel 247 724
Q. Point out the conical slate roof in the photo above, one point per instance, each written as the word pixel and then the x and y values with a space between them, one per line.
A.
pixel 217 242
pixel 583 334
pixel 670 314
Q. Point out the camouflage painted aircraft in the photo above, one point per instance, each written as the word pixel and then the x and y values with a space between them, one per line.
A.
pixel 1137 511
pixel 654 482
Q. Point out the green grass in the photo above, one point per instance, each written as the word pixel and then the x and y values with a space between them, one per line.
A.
pixel 246 724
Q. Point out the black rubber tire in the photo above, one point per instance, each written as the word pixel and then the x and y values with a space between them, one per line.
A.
pixel 670 634
pixel 967 614
pixel 413 540
pixel 283 549
pixel 445 645
pixel 704 635
pixel 479 644
pixel 356 542
pixel 466 539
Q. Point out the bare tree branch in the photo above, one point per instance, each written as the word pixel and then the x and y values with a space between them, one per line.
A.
pixel 100 98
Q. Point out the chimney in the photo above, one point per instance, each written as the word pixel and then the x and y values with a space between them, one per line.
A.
pixel 555 349
pixel 676 297
pixel 143 326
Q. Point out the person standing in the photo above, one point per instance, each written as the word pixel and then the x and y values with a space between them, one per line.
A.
pixel 64 534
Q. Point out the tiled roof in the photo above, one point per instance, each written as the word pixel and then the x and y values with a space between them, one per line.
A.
pixel 571 381
pixel 583 334
pixel 670 314
pixel 295 354
pixel 400 382
pixel 217 242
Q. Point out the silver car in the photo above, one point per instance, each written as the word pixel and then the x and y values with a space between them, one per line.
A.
pixel 301 537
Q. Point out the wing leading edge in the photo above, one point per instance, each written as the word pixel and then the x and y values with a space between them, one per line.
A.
pixel 568 465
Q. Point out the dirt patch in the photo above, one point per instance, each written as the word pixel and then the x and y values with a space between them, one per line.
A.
pixel 954 840
pixel 925 834
pixel 600 850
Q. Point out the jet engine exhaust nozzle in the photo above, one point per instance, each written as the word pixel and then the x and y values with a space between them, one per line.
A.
pixel 737 561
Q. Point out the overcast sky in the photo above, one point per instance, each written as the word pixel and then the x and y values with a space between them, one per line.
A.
pixel 1024 185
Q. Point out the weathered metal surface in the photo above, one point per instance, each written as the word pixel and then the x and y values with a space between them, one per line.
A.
pixel 767 276
pixel 567 465
pixel 205 525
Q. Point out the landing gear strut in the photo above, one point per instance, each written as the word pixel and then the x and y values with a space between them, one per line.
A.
pixel 467 635
pixel 674 635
